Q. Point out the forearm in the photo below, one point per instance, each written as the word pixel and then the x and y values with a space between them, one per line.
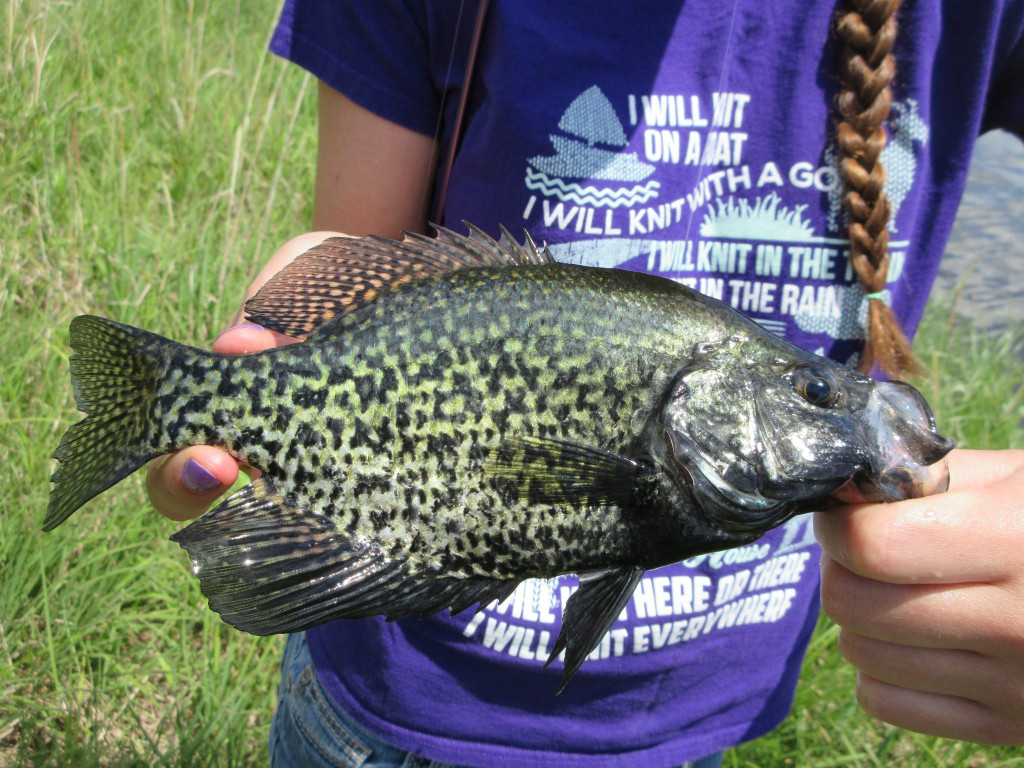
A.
pixel 373 176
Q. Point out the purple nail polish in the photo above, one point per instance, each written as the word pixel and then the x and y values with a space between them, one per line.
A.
pixel 241 325
pixel 197 478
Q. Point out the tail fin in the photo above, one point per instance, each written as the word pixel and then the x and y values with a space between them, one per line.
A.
pixel 114 371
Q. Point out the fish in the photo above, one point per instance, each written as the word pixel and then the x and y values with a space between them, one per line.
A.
pixel 463 413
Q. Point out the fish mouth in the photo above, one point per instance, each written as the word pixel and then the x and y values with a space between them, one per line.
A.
pixel 907 446
pixel 901 483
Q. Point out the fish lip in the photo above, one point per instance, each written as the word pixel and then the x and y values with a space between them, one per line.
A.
pixel 795 485
pixel 908 450
pixel 901 483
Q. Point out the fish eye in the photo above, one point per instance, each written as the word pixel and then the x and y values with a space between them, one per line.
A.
pixel 817 390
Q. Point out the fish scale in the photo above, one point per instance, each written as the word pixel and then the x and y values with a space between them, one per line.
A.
pixel 382 381
pixel 464 414
pixel 499 383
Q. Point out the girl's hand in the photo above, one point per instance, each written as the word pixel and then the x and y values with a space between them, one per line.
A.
pixel 929 596
pixel 183 485
pixel 372 176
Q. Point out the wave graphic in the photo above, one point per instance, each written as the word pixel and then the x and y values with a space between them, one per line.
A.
pixel 596 196
pixel 777 327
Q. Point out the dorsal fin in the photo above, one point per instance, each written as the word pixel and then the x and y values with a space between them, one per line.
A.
pixel 343 273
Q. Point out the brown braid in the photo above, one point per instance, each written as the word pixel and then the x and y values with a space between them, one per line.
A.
pixel 867 32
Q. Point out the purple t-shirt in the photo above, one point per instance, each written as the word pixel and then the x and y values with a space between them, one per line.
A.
pixel 689 140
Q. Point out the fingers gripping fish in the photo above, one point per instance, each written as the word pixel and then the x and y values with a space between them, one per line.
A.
pixel 465 413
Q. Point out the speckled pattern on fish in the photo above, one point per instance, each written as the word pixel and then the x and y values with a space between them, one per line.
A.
pixel 465 413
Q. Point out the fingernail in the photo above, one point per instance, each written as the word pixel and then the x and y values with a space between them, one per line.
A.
pixel 242 325
pixel 197 478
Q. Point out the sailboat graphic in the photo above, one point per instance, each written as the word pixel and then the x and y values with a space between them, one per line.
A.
pixel 590 119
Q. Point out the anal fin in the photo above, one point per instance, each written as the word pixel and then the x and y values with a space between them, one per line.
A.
pixel 269 567
pixel 590 613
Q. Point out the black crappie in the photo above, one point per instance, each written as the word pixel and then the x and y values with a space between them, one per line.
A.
pixel 465 414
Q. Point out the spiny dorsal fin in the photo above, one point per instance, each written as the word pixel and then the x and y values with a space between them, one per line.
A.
pixel 343 273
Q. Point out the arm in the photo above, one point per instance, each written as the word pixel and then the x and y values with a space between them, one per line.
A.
pixel 929 597
pixel 372 176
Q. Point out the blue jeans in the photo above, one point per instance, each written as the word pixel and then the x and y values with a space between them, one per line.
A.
pixel 310 730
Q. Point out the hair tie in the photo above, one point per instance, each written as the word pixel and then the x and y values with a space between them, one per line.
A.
pixel 876 295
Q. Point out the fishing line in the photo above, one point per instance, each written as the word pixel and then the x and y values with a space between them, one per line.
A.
pixel 721 89
pixel 460 114
pixel 429 178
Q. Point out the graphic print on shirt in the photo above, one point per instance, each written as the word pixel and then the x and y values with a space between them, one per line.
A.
pixel 764 236
pixel 767 238
pixel 591 119
pixel 718 592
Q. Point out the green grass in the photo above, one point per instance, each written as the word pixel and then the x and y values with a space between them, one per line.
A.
pixel 152 157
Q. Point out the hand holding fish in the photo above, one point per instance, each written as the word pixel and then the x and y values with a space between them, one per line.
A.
pixel 928 595
pixel 183 485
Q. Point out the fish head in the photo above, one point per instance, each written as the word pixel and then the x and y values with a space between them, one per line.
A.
pixel 758 440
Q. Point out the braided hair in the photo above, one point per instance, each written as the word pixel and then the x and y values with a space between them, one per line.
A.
pixel 867 30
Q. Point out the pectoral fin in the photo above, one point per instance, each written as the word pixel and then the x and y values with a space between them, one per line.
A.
pixel 590 613
pixel 547 470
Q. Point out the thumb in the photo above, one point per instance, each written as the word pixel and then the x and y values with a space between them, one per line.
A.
pixel 247 338
pixel 183 485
